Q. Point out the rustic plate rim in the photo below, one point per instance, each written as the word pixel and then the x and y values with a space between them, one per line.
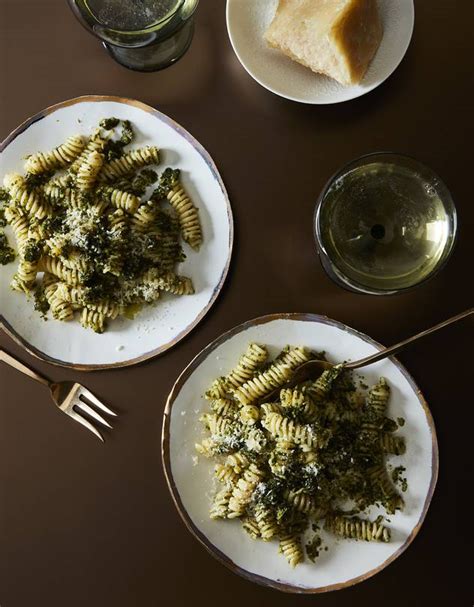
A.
pixel 201 537
pixel 33 350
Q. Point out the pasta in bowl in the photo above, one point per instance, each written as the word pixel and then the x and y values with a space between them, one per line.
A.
pixel 103 248
pixel 111 207
pixel 313 473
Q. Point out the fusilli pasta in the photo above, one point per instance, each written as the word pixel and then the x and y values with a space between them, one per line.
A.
pixel 82 215
pixel 290 464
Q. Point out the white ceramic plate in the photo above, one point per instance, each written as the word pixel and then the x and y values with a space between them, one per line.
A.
pixel 192 485
pixel 247 20
pixel 156 328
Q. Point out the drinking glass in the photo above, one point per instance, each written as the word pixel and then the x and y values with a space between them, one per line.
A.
pixel 143 35
pixel 384 223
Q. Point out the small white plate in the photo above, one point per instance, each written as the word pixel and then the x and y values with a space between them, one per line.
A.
pixel 247 21
pixel 191 482
pixel 158 327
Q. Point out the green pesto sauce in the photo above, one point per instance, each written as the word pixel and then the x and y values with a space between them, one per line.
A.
pixel 142 181
pixel 109 123
pixel 314 547
pixel 7 254
pixel 41 303
pixel 115 148
pixel 399 479
pixel 32 252
pixel 168 180
pixel 4 196
pixel 33 181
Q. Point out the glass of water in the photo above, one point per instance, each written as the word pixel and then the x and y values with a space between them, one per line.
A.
pixel 144 35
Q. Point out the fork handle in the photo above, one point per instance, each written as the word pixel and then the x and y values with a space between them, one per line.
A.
pixel 373 358
pixel 16 364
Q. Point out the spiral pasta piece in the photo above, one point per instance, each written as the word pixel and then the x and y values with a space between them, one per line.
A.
pixel 188 216
pixel 321 388
pixel 59 195
pixel 121 200
pixel 60 309
pixel 290 547
pixel 25 276
pixel 56 267
pixel 224 408
pixel 377 398
pixel 96 143
pixel 296 399
pixel 206 447
pixel 76 261
pixel 275 376
pixel 118 223
pixel 93 319
pixel 19 224
pixel 30 200
pixel 294 357
pixel 243 490
pixel 357 529
pixel 172 283
pixel 300 501
pixel 218 424
pixel 266 523
pixel 267 408
pixel 392 444
pixel 130 162
pixel 379 478
pixel 220 505
pixel 226 474
pixel 143 217
pixel 89 170
pixel 238 461
pixel 37 229
pixel 248 363
pixel 250 525
pixel 263 383
pixel 218 389
pixel 249 414
pixel 59 157
pixel 289 430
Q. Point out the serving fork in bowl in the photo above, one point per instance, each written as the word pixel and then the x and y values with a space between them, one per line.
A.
pixel 313 369
pixel 72 398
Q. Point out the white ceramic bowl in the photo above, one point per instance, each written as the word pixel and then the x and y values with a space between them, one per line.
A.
pixel 191 480
pixel 157 328
pixel 247 20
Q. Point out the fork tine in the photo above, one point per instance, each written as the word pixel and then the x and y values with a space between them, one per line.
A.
pixel 83 406
pixel 96 402
pixel 78 418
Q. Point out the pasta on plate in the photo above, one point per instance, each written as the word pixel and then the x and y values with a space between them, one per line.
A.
pixel 86 224
pixel 313 458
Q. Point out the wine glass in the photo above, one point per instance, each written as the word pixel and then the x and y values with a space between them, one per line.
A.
pixel 383 224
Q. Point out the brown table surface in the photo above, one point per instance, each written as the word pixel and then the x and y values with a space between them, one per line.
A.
pixel 83 523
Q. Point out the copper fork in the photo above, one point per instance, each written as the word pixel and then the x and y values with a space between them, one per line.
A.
pixel 72 398
pixel 315 368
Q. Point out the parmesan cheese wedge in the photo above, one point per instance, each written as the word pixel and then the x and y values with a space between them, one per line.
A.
pixel 338 38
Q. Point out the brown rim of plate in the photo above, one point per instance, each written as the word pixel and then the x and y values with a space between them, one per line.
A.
pixel 5 325
pixel 215 552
